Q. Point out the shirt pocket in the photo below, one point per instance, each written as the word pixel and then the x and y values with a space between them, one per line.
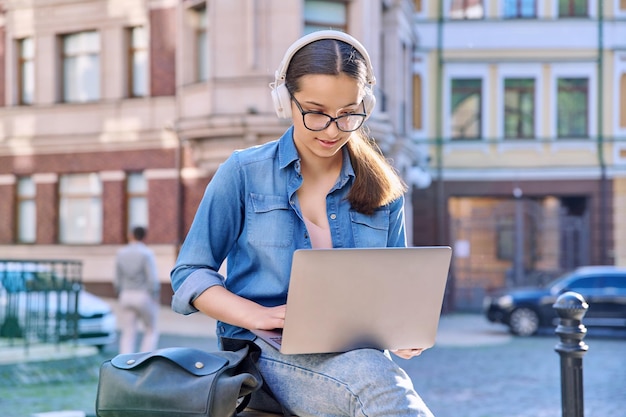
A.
pixel 270 221
pixel 370 230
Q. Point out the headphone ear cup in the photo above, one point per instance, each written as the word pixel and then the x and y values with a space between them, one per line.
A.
pixel 369 101
pixel 282 101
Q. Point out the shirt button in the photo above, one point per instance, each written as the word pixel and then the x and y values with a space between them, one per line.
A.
pixel 333 216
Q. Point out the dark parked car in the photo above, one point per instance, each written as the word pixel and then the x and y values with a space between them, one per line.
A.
pixel 526 310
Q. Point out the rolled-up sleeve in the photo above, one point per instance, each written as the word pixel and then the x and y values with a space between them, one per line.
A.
pixel 194 284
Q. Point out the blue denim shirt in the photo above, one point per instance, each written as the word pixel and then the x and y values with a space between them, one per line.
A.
pixel 249 215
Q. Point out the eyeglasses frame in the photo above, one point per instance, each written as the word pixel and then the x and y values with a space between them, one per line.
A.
pixel 331 119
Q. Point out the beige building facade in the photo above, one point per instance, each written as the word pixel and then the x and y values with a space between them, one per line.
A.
pixel 117 113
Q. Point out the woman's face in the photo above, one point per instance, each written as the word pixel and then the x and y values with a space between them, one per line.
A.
pixel 331 94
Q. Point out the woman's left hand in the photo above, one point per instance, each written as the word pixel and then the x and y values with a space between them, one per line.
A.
pixel 408 353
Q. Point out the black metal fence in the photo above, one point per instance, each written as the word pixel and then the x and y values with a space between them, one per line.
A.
pixel 39 301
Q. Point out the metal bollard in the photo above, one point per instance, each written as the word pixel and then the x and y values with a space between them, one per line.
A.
pixel 571 308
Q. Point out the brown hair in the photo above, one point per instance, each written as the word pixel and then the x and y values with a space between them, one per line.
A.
pixel 377 183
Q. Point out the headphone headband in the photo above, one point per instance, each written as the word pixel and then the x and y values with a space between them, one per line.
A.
pixel 281 72
pixel 280 95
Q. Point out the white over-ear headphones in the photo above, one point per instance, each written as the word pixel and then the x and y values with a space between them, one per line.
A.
pixel 280 94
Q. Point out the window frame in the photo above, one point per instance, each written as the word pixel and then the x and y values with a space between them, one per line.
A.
pixel 93 236
pixel 21 199
pixel 84 54
pixel 313 25
pixel 573 70
pixel 134 195
pixel 201 39
pixel 465 70
pixel 22 62
pixel 480 108
pixel 450 4
pixel 519 8
pixel 521 70
pixel 133 52
pixel 572 5
pixel 586 110
pixel 519 112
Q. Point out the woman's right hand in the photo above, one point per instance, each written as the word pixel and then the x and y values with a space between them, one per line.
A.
pixel 270 318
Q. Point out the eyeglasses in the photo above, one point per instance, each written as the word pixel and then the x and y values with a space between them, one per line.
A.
pixel 317 121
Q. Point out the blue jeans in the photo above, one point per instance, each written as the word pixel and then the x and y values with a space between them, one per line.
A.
pixel 362 382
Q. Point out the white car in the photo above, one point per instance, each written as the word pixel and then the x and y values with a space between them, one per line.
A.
pixel 35 298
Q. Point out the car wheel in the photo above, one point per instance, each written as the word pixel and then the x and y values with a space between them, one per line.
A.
pixel 524 322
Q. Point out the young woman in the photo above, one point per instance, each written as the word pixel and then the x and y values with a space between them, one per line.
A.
pixel 323 184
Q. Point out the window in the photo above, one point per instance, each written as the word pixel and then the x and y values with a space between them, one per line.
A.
pixel 417 102
pixel 26 71
pixel 517 9
pixel 622 101
pixel 506 239
pixel 586 283
pixel 465 109
pixel 202 45
pixel 320 15
pixel 137 200
pixel 138 62
pixel 519 108
pixel 466 9
pixel 26 210
pixel 80 209
pixel 612 282
pixel 573 8
pixel 81 67
pixel 572 107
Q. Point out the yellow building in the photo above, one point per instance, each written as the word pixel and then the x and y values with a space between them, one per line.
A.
pixel 522 106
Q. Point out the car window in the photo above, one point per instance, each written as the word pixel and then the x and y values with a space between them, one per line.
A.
pixel 615 281
pixel 584 283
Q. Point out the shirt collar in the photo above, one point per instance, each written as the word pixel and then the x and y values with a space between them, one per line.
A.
pixel 288 154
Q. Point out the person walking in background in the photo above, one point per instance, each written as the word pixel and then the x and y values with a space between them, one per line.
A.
pixel 138 289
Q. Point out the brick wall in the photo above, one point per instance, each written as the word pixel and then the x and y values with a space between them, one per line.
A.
pixel 46 169
pixel 162 211
pixel 7 208
pixel 163 52
pixel 194 190
pixel 66 163
pixel 47 213
pixel 114 212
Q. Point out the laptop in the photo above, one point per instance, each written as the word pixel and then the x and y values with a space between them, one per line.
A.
pixel 344 299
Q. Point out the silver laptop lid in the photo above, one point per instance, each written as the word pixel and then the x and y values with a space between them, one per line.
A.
pixel 386 298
